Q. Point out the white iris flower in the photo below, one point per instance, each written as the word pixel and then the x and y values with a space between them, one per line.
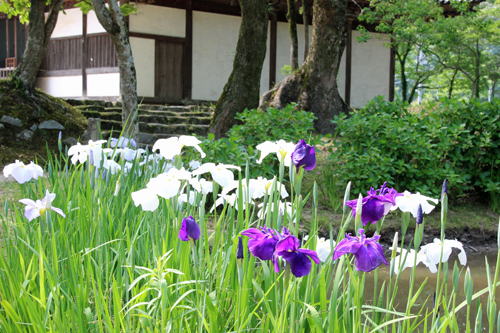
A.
pixel 22 173
pixel 172 146
pixel 409 202
pixel 219 172
pixel 37 208
pixel 282 149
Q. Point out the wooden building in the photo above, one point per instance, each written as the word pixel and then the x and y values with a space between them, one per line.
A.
pixel 184 49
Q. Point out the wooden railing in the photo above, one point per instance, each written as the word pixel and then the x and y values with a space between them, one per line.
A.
pixel 5 73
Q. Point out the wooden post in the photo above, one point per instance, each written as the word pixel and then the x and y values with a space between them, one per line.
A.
pixel 272 51
pixel 188 53
pixel 348 64
pixel 15 39
pixel 84 56
pixel 392 72
pixel 7 37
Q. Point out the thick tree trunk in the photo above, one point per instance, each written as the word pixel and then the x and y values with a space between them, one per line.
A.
pixel 294 41
pixel 40 31
pixel 314 85
pixel 305 16
pixel 114 23
pixel 242 89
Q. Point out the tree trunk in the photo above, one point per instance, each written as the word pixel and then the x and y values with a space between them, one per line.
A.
pixel 452 82
pixel 242 89
pixel 305 15
pixel 404 82
pixel 294 42
pixel 114 23
pixel 493 90
pixel 314 85
pixel 478 66
pixel 40 31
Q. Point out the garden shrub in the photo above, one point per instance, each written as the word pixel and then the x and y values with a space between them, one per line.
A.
pixel 257 126
pixel 448 139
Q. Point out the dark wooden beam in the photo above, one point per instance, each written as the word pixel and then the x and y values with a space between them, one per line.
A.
pixel 348 64
pixel 84 55
pixel 272 51
pixel 72 72
pixel 187 61
pixel 15 39
pixel 159 37
pixel 392 72
pixel 7 37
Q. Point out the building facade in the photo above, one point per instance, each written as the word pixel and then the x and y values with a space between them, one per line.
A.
pixel 184 50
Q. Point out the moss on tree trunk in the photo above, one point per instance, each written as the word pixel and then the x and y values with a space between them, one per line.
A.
pixel 314 85
pixel 243 86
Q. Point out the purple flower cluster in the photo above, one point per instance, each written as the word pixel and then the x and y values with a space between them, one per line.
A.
pixel 367 251
pixel 376 204
pixel 268 244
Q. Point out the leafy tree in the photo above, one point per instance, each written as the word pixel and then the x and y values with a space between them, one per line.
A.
pixel 243 86
pixel 40 30
pixel 405 21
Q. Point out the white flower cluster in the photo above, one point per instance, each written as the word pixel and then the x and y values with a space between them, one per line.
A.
pixel 429 255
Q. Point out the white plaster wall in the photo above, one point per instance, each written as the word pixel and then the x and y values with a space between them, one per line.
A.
pixel 103 85
pixel 370 69
pixel 61 86
pixel 143 51
pixel 341 76
pixel 214 45
pixel 93 25
pixel 158 20
pixel 283 45
pixel 69 24
pixel 264 76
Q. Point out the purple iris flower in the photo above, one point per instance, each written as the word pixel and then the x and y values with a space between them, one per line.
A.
pixel 445 189
pixel 263 241
pixel 239 250
pixel 368 253
pixel 304 156
pixel 376 204
pixel 190 230
pixel 420 216
pixel 288 249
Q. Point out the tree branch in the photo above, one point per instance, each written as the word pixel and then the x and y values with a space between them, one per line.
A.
pixel 103 15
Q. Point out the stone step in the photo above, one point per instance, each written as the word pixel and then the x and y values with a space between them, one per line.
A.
pixel 97 108
pixel 159 118
pixel 113 109
pixel 175 114
pixel 173 108
pixel 162 119
pixel 117 116
pixel 180 129
pixel 111 125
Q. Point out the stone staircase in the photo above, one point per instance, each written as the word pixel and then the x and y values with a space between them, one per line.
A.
pixel 155 121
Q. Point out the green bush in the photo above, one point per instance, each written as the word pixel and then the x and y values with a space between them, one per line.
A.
pixel 257 126
pixel 288 124
pixel 416 151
